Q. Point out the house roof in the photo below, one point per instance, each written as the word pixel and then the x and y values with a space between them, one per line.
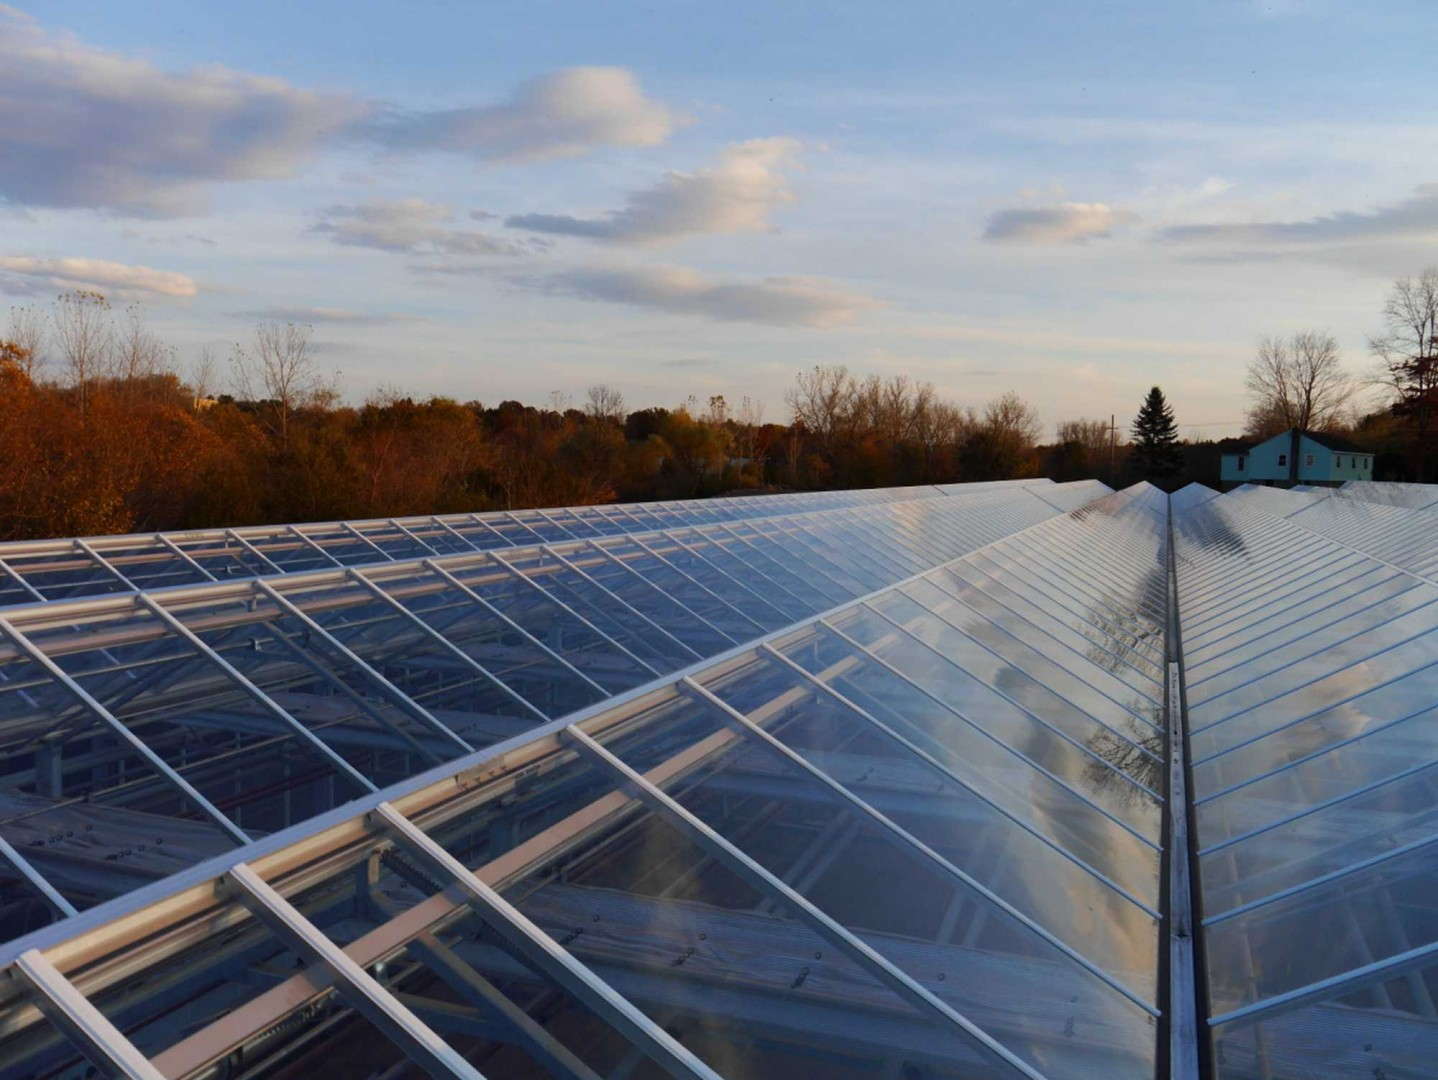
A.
pixel 1329 442
pixel 1335 442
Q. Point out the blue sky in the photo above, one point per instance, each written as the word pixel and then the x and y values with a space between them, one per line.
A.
pixel 505 199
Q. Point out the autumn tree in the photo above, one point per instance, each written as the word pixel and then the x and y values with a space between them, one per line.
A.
pixel 415 457
pixel 1155 456
pixel 697 448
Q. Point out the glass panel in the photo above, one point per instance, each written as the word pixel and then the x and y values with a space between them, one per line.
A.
pixel 223 557
pixel 994 770
pixel 738 592
pixel 1386 684
pixel 626 583
pixel 393 542
pixel 1362 918
pixel 1133 648
pixel 58 575
pixel 609 614
pixel 561 630
pixel 471 696
pixel 877 886
pixel 698 599
pixel 1052 637
pixel 1387 1027
pixel 464 976
pixel 1362 641
pixel 1134 713
pixel 1078 767
pixel 778 591
pixel 40 1049
pixel 1077 907
pixel 235 751
pixel 1281 627
pixel 808 596
pixel 1386 740
pixel 1329 839
pixel 1102 762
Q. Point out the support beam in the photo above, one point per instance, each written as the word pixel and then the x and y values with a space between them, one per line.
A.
pixel 548 955
pixel 156 762
pixel 761 879
pixel 423 1047
pixel 908 840
pixel 83 1024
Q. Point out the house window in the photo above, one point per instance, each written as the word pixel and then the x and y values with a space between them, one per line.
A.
pixel 1308 459
pixel 1365 462
pixel 1354 461
pixel 1337 462
pixel 1282 459
pixel 1241 460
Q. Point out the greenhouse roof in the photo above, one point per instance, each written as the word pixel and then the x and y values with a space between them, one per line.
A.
pixel 875 786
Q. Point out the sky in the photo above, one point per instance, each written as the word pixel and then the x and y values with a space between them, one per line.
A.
pixel 506 199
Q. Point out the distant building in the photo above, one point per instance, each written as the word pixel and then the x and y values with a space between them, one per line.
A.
pixel 1297 457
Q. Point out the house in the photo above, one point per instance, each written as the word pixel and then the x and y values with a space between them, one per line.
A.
pixel 1297 457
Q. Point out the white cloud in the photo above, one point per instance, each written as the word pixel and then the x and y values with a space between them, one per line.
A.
pixel 1066 223
pixel 80 126
pixel 330 315
pixel 414 226
pixel 561 114
pixel 734 196
pixel 776 301
pixel 1413 218
pixel 27 275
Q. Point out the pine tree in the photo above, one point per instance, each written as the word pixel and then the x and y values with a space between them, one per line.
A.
pixel 1156 457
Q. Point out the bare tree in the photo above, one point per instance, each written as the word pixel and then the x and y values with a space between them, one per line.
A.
pixel 822 400
pixel 85 335
pixel 1407 352
pixel 1011 417
pixel 604 402
pixel 27 333
pixel 203 376
pixel 277 368
pixel 1092 435
pixel 1296 382
pixel 138 353
pixel 748 430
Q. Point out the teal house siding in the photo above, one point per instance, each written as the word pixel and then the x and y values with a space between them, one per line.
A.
pixel 1321 459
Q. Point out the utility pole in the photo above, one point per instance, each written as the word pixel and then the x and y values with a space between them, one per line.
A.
pixel 1112 450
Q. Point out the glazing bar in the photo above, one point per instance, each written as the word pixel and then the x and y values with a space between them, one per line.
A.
pixel 126 735
pixel 761 879
pixel 83 1024
pixel 359 989
pixel 548 955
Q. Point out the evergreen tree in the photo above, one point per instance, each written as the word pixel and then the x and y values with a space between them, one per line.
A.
pixel 1156 457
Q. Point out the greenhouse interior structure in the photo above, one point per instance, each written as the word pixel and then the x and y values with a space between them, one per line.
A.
pixel 1001 780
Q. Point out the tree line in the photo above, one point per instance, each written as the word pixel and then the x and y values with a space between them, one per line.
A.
pixel 102 432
